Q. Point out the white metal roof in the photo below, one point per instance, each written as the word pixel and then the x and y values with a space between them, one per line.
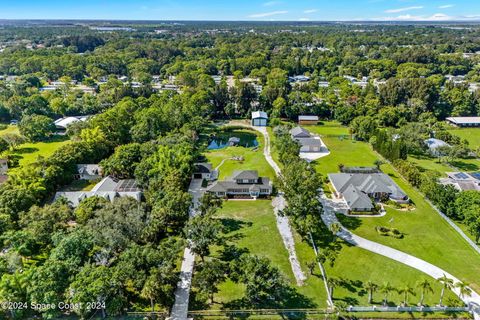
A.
pixel 259 114
pixel 464 120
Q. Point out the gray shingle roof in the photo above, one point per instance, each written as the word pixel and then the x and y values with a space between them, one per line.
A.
pixel 245 175
pixel 299 132
pixel 310 142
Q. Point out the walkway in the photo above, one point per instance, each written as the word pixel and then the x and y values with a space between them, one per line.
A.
pixel 283 224
pixel 182 293
pixel 330 218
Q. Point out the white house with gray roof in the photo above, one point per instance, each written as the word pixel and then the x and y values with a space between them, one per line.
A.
pixel 242 184
pixel 307 141
pixel 109 188
pixel 359 190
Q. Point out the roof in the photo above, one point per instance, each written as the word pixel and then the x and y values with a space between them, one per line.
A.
pixel 89 169
pixel 367 183
pixel 356 199
pixel 245 175
pixel 307 118
pixel 259 115
pixel 433 143
pixel 65 122
pixel 224 186
pixel 3 161
pixel 464 120
pixel 203 167
pixel 310 142
pixel 3 178
pixel 299 132
pixel 108 188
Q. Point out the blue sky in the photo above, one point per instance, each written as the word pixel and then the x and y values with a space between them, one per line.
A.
pixel 278 10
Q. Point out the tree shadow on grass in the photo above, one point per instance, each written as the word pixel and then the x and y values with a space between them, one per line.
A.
pixel 26 150
pixel 351 223
pixel 465 166
pixel 231 252
pixel 231 225
pixel 288 298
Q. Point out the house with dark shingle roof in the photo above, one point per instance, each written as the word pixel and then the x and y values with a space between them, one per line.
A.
pixel 242 184
pixel 359 190
pixel 308 142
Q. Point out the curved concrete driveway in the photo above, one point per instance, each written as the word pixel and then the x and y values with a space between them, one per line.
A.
pixel 329 218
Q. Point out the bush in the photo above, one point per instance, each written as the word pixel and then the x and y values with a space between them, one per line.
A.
pixel 389 232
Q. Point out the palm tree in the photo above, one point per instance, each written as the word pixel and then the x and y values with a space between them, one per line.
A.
pixel 371 288
pixel 332 284
pixel 406 291
pixel 378 163
pixel 447 283
pixel 425 286
pixel 386 288
pixel 335 228
pixel 464 289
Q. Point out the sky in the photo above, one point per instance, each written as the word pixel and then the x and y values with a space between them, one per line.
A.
pixel 243 10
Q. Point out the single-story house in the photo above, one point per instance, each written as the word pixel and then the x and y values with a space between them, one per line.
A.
pixel 88 172
pixel 109 188
pixel 463 181
pixel 464 121
pixel 63 123
pixel 307 120
pixel 360 189
pixel 308 142
pixel 299 78
pixel 204 171
pixel 243 184
pixel 434 144
pixel 259 119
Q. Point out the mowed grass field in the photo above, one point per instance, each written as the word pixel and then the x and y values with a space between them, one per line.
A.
pixel 472 135
pixel 253 158
pixel 427 235
pixel 28 153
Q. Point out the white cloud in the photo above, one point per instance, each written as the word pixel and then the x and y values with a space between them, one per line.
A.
pixel 271 3
pixel 310 11
pixel 409 17
pixel 267 14
pixel 304 19
pixel 403 9
pixel 447 6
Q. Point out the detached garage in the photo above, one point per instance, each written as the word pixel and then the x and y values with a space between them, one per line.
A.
pixel 307 120
pixel 259 119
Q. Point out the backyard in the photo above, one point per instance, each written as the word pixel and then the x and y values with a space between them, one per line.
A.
pixel 27 153
pixel 472 135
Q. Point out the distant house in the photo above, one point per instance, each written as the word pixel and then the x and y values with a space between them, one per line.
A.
pixel 464 121
pixel 359 189
pixel 259 119
pixel 204 171
pixel 109 188
pixel 298 79
pixel 88 172
pixel 307 120
pixel 463 181
pixel 243 184
pixel 434 145
pixel 62 123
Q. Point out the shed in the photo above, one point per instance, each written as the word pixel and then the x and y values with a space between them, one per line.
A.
pixel 307 120
pixel 259 119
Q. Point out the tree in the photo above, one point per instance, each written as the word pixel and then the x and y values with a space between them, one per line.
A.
pixel 447 283
pixel 202 232
pixel 13 140
pixel 211 274
pixel 464 289
pixel 386 289
pixel 406 290
pixel 425 287
pixel 36 127
pixel 371 287
pixel 151 289
pixel 311 266
pixel 332 284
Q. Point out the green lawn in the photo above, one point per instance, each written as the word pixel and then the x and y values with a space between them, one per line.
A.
pixel 253 159
pixel 29 152
pixel 427 235
pixel 252 226
pixel 428 163
pixel 472 135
